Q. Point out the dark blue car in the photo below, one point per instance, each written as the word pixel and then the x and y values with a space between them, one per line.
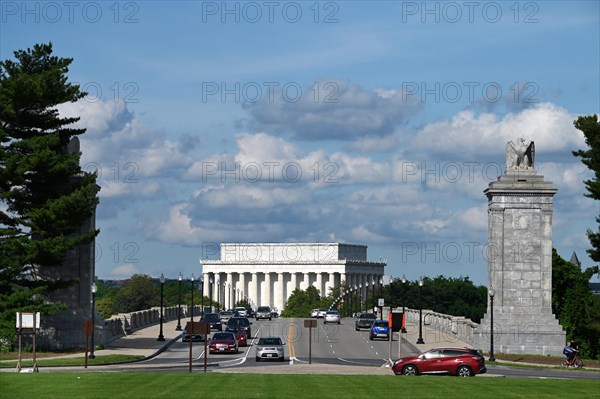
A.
pixel 379 329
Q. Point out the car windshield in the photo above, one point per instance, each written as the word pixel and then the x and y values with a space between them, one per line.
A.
pixel 264 309
pixel 380 323
pixel 269 341
pixel 223 336
pixel 211 317
pixel 367 316
pixel 235 321
pixel 332 312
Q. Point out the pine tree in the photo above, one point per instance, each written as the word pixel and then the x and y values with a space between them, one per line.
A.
pixel 590 127
pixel 45 198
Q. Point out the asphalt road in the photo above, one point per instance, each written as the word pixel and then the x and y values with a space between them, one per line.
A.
pixel 327 344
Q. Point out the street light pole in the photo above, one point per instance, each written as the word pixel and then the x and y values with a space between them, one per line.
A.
pixel 420 340
pixel 192 313
pixel 360 300
pixel 202 295
pixel 229 295
pixel 210 291
pixel 161 337
pixel 218 295
pixel 178 328
pixel 492 358
pixel 94 290
pixel 381 296
pixel 373 284
pixel 403 330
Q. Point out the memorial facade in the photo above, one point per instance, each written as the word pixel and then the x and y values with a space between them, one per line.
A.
pixel 266 274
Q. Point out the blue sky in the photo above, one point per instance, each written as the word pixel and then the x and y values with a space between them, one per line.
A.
pixel 377 123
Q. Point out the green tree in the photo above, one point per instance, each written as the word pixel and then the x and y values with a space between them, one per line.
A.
pixel 138 293
pixel 45 198
pixel 590 127
pixel 577 309
pixel 301 302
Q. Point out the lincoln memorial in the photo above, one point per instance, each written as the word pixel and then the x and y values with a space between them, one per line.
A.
pixel 267 274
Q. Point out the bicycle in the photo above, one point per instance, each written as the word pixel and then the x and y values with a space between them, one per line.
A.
pixel 575 362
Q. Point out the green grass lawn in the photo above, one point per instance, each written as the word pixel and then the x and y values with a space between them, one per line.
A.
pixel 146 385
pixel 71 361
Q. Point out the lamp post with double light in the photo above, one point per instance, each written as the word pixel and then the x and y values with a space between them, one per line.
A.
pixel 94 290
pixel 373 302
pixel 178 328
pixel 161 337
pixel 492 358
pixel 420 340
pixel 360 301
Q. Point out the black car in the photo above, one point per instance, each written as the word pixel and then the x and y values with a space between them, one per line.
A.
pixel 240 322
pixel 214 320
pixel 365 320
pixel 185 336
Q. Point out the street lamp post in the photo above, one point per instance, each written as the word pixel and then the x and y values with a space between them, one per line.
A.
pixel 94 290
pixel 360 300
pixel 202 296
pixel 229 295
pixel 192 313
pixel 218 295
pixel 351 307
pixel 420 340
pixel 161 337
pixel 178 328
pixel 373 302
pixel 403 330
pixel 492 358
pixel 381 296
pixel 210 290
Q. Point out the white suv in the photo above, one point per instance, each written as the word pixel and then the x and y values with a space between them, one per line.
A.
pixel 241 311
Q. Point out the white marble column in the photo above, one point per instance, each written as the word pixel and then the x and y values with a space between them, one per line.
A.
pixel 280 292
pixel 253 288
pixel 294 279
pixel 330 283
pixel 266 299
pixel 242 284
pixel 319 283
pixel 206 285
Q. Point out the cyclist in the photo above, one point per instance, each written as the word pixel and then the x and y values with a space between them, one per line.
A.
pixel 570 351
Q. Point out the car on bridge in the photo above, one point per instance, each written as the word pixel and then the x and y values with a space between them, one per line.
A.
pixel 380 329
pixel 240 323
pixel 214 320
pixel 365 320
pixel 270 348
pixel 223 342
pixel 332 316
pixel 263 312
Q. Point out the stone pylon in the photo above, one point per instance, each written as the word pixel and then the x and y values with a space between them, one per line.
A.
pixel 520 265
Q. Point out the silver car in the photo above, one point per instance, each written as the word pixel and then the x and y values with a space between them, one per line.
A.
pixel 332 316
pixel 270 348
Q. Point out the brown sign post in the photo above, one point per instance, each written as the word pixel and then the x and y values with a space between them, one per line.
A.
pixel 310 324
pixel 88 330
pixel 198 327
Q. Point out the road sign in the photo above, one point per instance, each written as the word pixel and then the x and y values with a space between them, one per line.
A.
pixel 310 324
pixel 380 302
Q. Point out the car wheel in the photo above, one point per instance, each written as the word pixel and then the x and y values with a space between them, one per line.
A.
pixel 269 319
pixel 370 337
pixel 282 359
pixel 324 322
pixel 409 369
pixel 464 371
pixel 257 359
pixel 356 328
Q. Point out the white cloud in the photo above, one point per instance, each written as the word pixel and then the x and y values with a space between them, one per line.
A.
pixel 124 271
pixel 550 126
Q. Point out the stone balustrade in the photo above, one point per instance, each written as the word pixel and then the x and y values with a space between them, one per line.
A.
pixel 126 323
pixel 458 328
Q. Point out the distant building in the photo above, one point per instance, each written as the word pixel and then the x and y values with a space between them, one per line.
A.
pixel 267 273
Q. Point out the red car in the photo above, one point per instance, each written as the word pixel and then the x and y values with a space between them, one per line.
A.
pixel 240 335
pixel 223 342
pixel 463 362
